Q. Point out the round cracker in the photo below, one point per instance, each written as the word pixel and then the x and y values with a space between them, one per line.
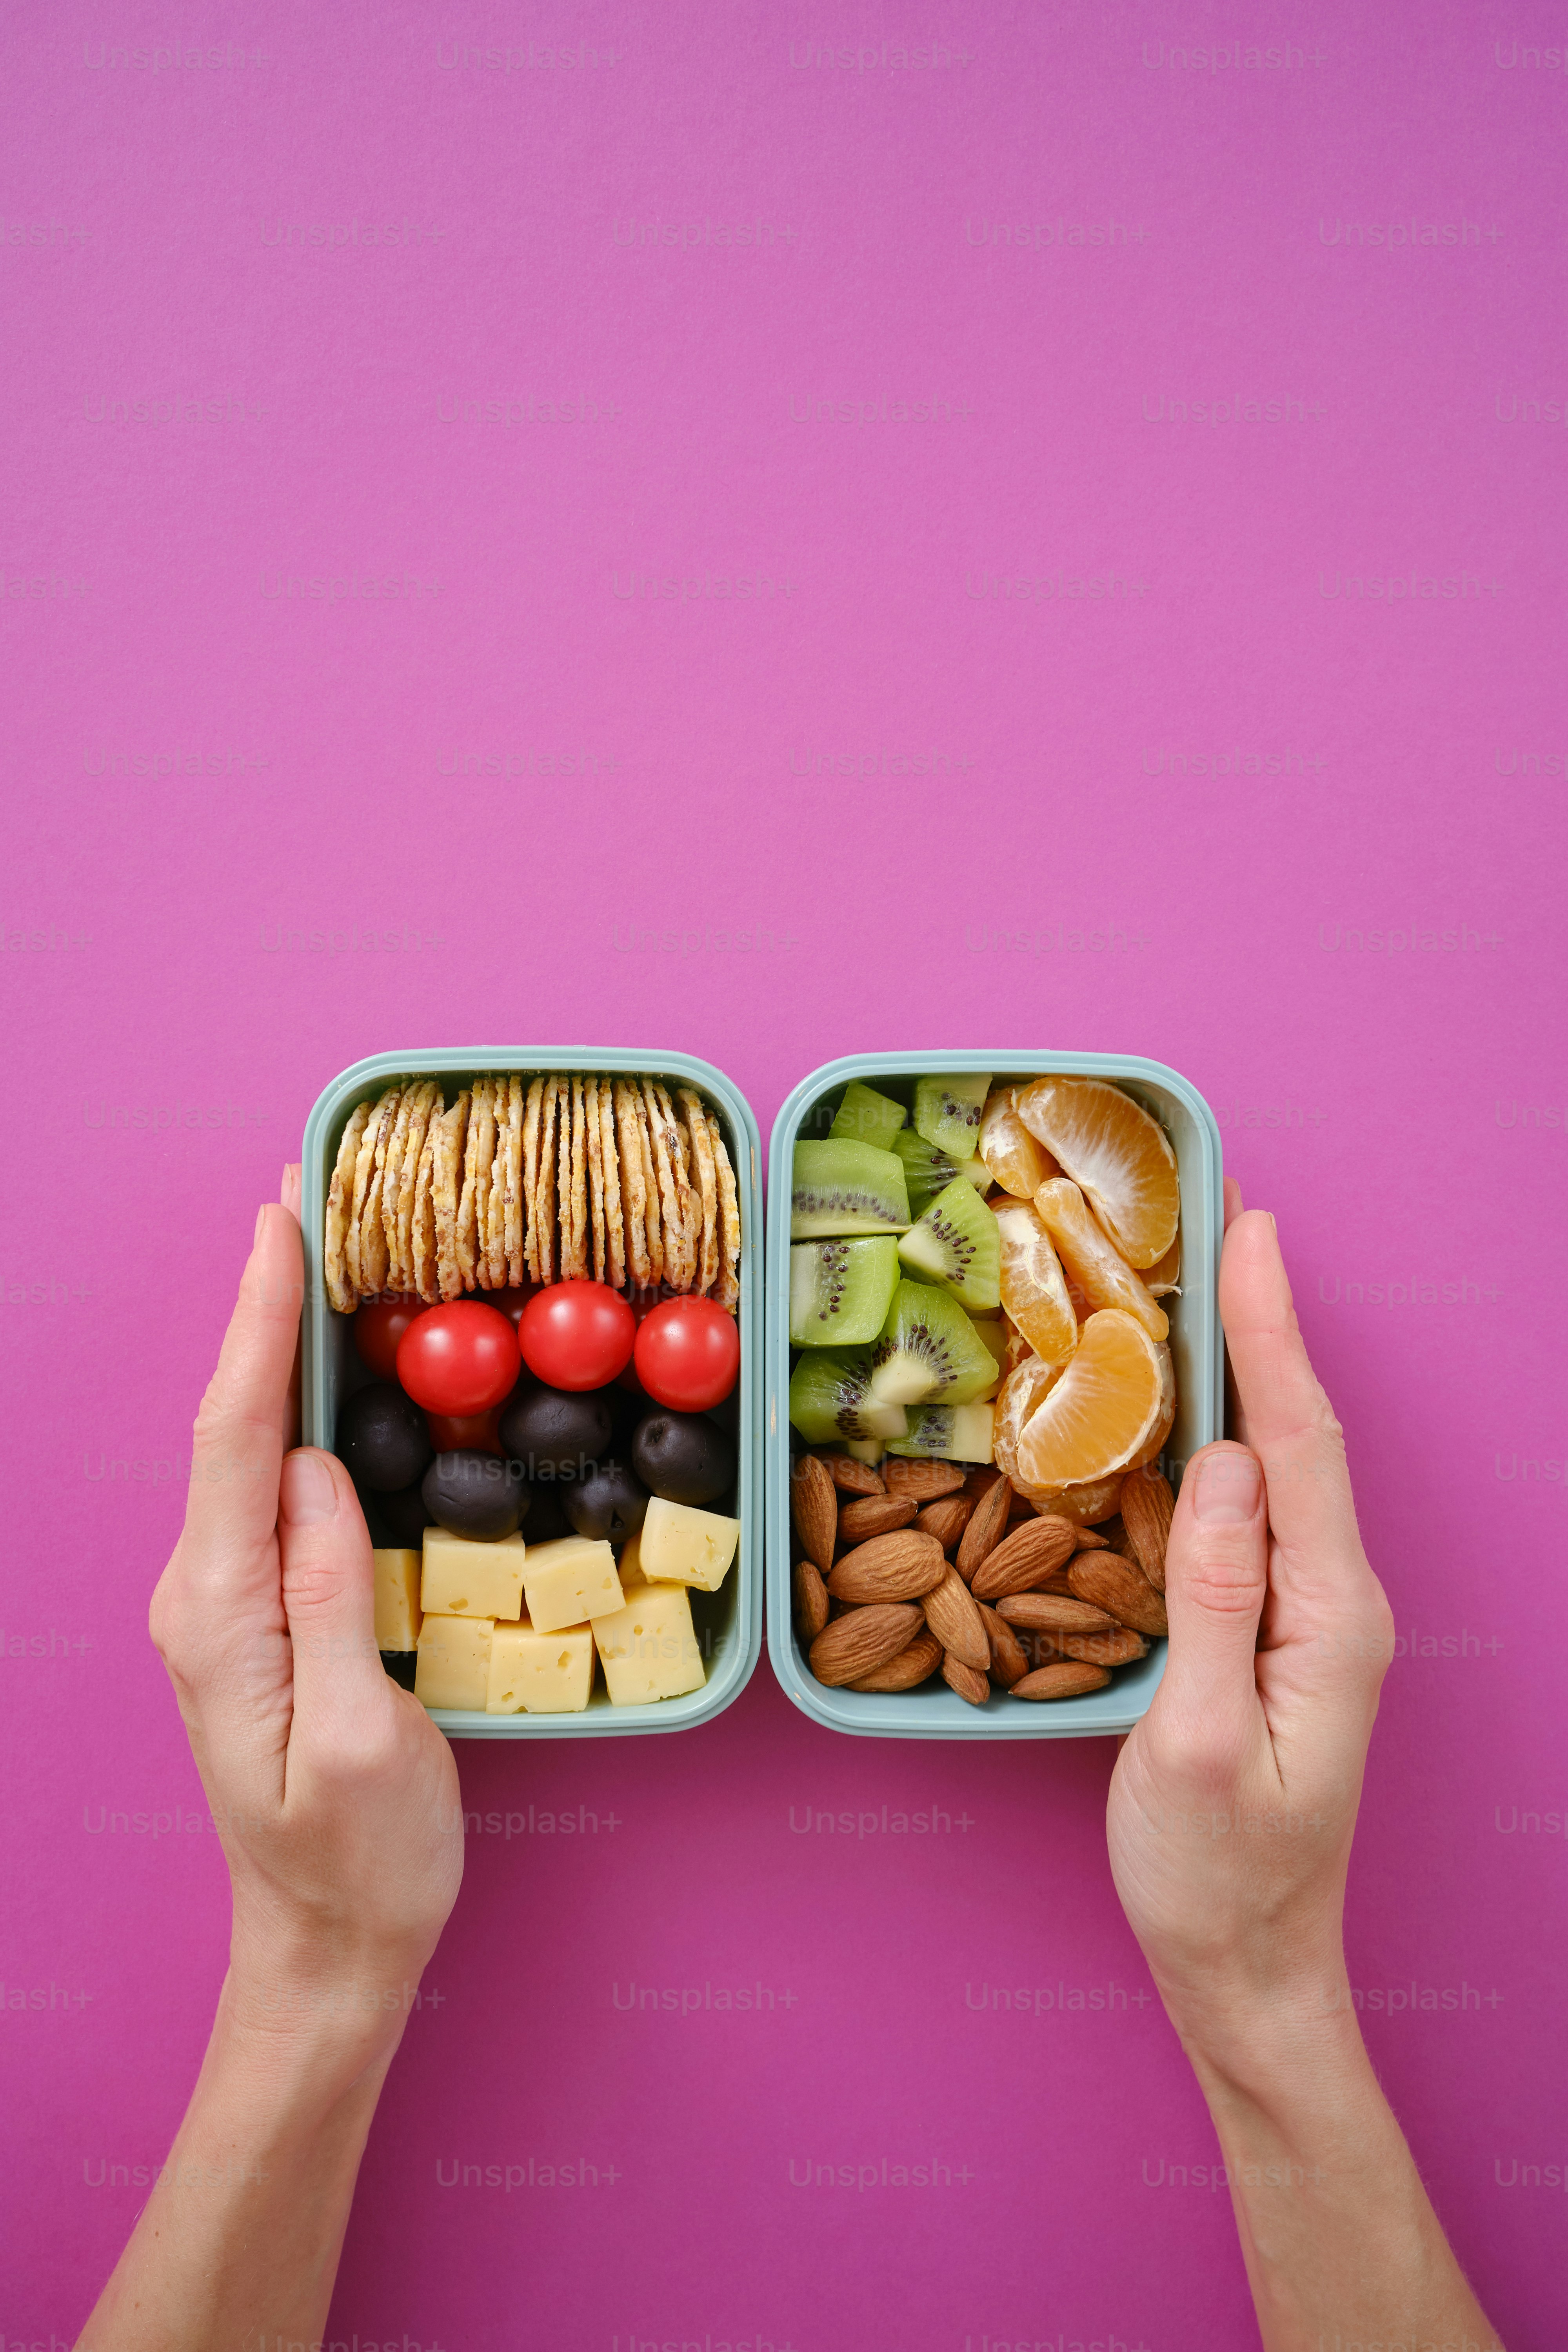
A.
pixel 580 1258
pixel 530 1180
pixel 373 1242
pixel 483 1117
pixel 512 1223
pixel 651 1214
pixel 340 1293
pixel 422 1221
pixel 545 1199
pixel 449 1132
pixel 674 1192
pixel 391 1184
pixel 633 1182
pixel 383 1108
pixel 466 1239
pixel 707 1183
pixel 609 1159
pixel 425 1098
pixel 727 1290
pixel 595 1174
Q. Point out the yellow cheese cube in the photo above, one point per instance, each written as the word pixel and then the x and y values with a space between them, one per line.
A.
pixel 539 1673
pixel 650 1648
pixel 464 1579
pixel 568 1581
pixel 454 1664
pixel 684 1546
pixel 397 1608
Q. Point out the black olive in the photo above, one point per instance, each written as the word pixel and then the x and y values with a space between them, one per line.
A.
pixel 382 1439
pixel 683 1456
pixel 547 1519
pixel 476 1494
pixel 397 1521
pixel 610 1504
pixel 555 1432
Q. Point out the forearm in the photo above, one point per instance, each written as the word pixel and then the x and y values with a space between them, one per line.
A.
pixel 241 2236
pixel 1341 2243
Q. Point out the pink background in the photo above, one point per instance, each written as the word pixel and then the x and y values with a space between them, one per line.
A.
pixel 1400 1106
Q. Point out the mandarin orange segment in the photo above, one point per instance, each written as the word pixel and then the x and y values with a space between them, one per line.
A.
pixel 1034 1288
pixel 1013 1157
pixel 1165 1275
pixel 1085 1505
pixel 1092 1262
pixel 1108 1403
pixel 1021 1390
pixel 1115 1153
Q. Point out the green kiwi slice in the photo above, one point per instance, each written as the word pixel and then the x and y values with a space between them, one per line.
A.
pixel 957 1244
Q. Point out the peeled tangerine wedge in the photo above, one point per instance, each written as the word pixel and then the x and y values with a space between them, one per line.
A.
pixel 1017 1400
pixel 1013 1158
pixel 1105 1410
pixel 1093 1261
pixel 1034 1294
pixel 1110 1146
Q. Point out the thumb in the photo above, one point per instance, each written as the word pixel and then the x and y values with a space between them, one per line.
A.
pixel 1217 1574
pixel 329 1583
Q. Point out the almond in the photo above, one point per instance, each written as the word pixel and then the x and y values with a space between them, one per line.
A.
pixel 946 1518
pixel 915 1664
pixel 966 1680
pixel 851 1477
pixel 903 1566
pixel 1117 1649
pixel 1031 1552
pixel 813 1504
pixel 954 1618
pixel 860 1641
pixel 1114 1584
pixel 981 1480
pixel 873 1515
pixel 984 1529
pixel 1090 1540
pixel 1064 1680
pixel 810 1602
pixel 924 1480
pixel 1054 1613
pixel 1008 1660
pixel 1147 1503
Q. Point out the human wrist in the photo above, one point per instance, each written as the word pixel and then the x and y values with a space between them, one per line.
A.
pixel 334 2010
pixel 1266 2043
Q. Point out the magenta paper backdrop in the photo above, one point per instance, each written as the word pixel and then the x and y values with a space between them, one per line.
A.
pixel 1144 454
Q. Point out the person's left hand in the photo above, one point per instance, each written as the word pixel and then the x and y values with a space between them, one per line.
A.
pixel 335 1796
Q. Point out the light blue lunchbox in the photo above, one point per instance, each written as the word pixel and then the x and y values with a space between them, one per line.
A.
pixel 934 1712
pixel 730 1622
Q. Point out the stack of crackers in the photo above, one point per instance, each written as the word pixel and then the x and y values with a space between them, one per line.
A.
pixel 560 1178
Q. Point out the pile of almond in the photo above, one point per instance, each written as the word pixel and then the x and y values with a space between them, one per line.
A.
pixel 919 1566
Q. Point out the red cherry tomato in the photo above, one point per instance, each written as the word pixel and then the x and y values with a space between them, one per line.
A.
pixel 688 1354
pixel 576 1335
pixel 379 1326
pixel 477 1433
pixel 458 1359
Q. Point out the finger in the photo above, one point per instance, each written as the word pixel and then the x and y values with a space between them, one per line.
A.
pixel 328 1584
pixel 237 1445
pixel 1234 1204
pixel 290 1198
pixel 1217 1574
pixel 1289 1421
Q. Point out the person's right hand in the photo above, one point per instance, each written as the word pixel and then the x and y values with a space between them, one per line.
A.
pixel 1234 1801
pixel 334 1794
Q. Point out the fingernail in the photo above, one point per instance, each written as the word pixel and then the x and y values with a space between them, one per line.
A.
pixel 260 1221
pixel 1228 1488
pixel 306 1492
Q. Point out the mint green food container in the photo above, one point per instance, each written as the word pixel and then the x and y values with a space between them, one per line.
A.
pixel 729 1623
pixel 934 1712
